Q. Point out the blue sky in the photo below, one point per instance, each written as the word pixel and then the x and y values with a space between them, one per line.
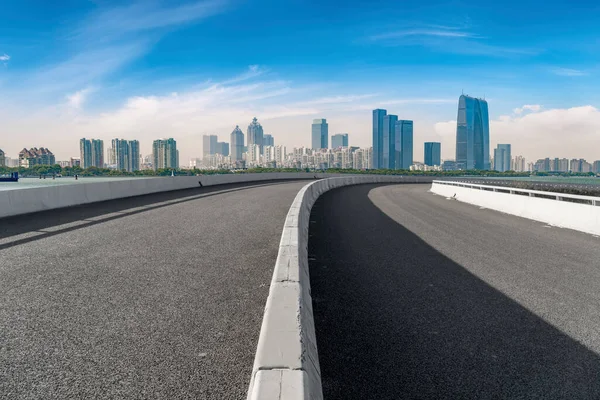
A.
pixel 150 69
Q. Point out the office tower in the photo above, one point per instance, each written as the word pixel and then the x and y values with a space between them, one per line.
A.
pixel 255 134
pixel 502 158
pixel 268 140
pixel 403 146
pixel 339 140
pixel 237 144
pixel 2 159
pixel 133 163
pixel 378 116
pixel 388 160
pixel 433 153
pixel 472 134
pixel 209 145
pixel 320 134
pixel 222 148
pixel 85 150
pixel 164 154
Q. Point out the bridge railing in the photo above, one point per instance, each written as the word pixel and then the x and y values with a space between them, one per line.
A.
pixel 573 198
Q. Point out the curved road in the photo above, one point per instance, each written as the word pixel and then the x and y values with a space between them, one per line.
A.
pixel 420 297
pixel 159 296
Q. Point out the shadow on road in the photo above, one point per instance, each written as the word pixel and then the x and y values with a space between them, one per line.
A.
pixel 41 223
pixel 396 319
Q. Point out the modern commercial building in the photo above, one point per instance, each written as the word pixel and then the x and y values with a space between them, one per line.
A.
pixel 256 134
pixel 388 160
pixel 596 166
pixel 164 154
pixel 222 148
pixel 35 156
pixel 403 146
pixel 91 153
pixel 2 159
pixel 433 153
pixel 472 134
pixel 237 144
pixel 377 159
pixel 320 134
pixel 502 158
pixel 339 140
pixel 209 145
pixel 268 140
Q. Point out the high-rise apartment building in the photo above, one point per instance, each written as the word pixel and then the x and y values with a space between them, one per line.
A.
pixel 268 140
pixel 472 134
pixel 389 141
pixel 35 156
pixel 91 153
pixel 85 150
pixel 339 140
pixel 256 134
pixel 133 163
pixel 209 145
pixel 2 159
pixel 378 116
pixel 403 147
pixel 433 153
pixel 126 154
pixel 320 134
pixel 519 164
pixel 164 154
pixel 502 158
pixel 237 144
pixel 97 153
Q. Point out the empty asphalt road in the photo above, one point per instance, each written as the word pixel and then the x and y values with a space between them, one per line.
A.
pixel 154 297
pixel 420 297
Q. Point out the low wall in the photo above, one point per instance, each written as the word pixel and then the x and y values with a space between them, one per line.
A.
pixel 28 200
pixel 556 209
pixel 286 365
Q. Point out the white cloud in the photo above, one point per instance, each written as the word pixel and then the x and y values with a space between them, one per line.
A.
pixel 565 132
pixel 77 99
pixel 423 32
pixel 4 57
pixel 527 107
pixel 568 72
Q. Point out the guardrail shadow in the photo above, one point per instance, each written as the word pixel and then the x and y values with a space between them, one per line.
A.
pixel 43 224
pixel 396 319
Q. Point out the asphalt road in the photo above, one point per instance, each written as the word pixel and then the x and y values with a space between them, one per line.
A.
pixel 420 297
pixel 154 297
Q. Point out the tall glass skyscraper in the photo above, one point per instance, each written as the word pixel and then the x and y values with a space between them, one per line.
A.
pixel 388 160
pixel 320 134
pixel 433 153
pixel 472 134
pixel 339 140
pixel 237 144
pixel 502 158
pixel 378 115
pixel 403 147
pixel 256 134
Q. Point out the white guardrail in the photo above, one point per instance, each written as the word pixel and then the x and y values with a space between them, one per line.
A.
pixel 558 209
pixel 286 365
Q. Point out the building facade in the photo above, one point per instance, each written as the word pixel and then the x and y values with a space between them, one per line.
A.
pixel 2 159
pixel 339 140
pixel 256 134
pixel 319 134
pixel 237 144
pixel 502 158
pixel 268 140
pixel 403 147
pixel 164 154
pixel 91 152
pixel 209 145
pixel 433 153
pixel 378 116
pixel 472 134
pixel 34 156
pixel 388 160
pixel 222 149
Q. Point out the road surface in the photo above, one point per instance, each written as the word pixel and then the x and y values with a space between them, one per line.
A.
pixel 154 297
pixel 420 297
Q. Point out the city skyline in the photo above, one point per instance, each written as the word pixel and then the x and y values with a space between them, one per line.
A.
pixel 95 75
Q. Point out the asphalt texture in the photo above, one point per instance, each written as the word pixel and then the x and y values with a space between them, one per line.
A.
pixel 154 297
pixel 420 297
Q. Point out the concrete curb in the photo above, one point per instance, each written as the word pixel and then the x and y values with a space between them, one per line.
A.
pixel 286 365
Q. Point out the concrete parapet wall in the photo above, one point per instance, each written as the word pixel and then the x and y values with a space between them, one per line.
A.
pixel 576 212
pixel 286 365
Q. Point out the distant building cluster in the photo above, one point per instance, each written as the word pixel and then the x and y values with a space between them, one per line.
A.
pixel 35 156
pixel 564 165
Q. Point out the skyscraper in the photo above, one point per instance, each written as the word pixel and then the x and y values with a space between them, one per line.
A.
pixel 92 153
pixel 502 158
pixel 377 159
pixel 133 164
pixel 320 134
pixel 389 141
pixel 433 152
pixel 85 150
pixel 268 140
pixel 209 145
pixel 339 140
pixel 97 153
pixel 256 134
pixel 472 134
pixel 237 144
pixel 164 154
pixel 222 148
pixel 126 154
pixel 403 147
